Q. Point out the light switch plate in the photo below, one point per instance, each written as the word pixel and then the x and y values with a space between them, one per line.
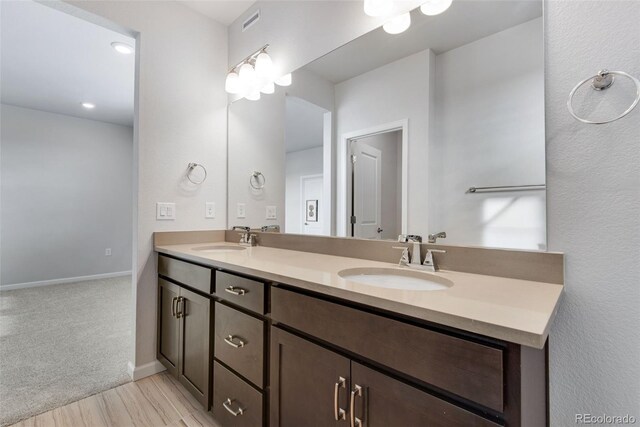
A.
pixel 210 210
pixel 271 212
pixel 241 210
pixel 165 211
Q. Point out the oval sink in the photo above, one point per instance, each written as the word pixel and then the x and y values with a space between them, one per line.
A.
pixel 219 248
pixel 393 278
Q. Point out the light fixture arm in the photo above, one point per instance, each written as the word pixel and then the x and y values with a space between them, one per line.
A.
pixel 250 59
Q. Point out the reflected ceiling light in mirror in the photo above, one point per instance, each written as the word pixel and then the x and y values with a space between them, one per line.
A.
pixel 284 80
pixel 122 48
pixel 398 24
pixel 435 7
pixel 88 105
pixel 378 7
pixel 232 84
pixel 268 89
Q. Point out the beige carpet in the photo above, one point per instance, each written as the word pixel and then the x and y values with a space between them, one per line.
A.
pixel 61 343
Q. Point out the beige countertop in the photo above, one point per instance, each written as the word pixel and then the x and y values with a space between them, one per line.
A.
pixel 518 311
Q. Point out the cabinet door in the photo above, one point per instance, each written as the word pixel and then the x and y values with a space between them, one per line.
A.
pixel 381 401
pixel 303 383
pixel 168 325
pixel 195 317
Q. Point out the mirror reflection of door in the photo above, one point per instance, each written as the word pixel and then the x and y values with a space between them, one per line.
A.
pixel 375 170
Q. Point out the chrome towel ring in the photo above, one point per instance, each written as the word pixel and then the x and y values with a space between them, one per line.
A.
pixel 190 169
pixel 603 81
pixel 256 182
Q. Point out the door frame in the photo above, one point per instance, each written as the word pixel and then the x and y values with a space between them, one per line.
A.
pixel 342 196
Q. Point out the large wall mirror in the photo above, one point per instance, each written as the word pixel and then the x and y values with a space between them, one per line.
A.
pixel 437 129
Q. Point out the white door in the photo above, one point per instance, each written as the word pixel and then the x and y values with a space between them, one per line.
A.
pixel 311 198
pixel 367 188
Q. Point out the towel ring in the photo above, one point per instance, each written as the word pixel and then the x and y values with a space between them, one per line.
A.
pixel 255 181
pixel 190 169
pixel 603 81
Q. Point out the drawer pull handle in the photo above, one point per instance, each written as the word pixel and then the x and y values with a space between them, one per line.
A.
pixel 174 300
pixel 355 421
pixel 235 291
pixel 338 413
pixel 227 406
pixel 229 340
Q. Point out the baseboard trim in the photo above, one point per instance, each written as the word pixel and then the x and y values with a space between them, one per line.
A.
pixel 138 372
pixel 64 280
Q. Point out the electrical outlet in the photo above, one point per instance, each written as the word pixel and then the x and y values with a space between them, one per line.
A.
pixel 241 210
pixel 210 210
pixel 271 212
pixel 165 211
pixel 107 252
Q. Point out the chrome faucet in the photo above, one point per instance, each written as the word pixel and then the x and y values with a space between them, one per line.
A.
pixel 429 262
pixel 416 258
pixel 434 237
pixel 246 238
pixel 270 228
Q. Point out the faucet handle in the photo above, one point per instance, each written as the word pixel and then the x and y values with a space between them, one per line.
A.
pixel 404 259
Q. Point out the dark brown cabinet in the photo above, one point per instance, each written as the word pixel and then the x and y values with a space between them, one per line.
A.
pixel 313 386
pixel 309 384
pixel 184 324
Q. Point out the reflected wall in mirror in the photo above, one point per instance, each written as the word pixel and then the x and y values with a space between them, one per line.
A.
pixel 388 133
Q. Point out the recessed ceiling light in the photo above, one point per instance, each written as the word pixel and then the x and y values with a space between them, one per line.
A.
pixel 122 48
pixel 88 105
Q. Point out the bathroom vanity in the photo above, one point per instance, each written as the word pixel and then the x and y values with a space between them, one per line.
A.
pixel 268 336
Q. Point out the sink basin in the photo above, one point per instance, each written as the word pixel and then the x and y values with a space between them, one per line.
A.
pixel 219 248
pixel 394 278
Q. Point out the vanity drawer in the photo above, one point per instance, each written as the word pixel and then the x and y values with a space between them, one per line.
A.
pixel 188 274
pixel 465 368
pixel 239 290
pixel 231 394
pixel 239 342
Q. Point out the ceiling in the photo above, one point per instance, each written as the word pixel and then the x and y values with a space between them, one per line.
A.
pixel 304 127
pixel 222 11
pixel 53 61
pixel 464 22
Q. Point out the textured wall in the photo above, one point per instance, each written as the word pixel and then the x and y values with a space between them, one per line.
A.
pixel 66 194
pixel 593 210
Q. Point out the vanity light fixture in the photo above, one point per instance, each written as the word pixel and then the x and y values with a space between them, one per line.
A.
pixel 377 8
pixel 122 48
pixel 254 75
pixel 398 24
pixel 435 7
pixel 88 105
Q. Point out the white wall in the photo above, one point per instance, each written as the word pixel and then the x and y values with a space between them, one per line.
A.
pixel 593 209
pixel 489 131
pixel 256 143
pixel 298 164
pixel 592 188
pixel 66 194
pixel 181 105
pixel 396 91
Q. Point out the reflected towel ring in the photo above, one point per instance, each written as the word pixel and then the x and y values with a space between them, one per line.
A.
pixel 190 169
pixel 603 81
pixel 254 180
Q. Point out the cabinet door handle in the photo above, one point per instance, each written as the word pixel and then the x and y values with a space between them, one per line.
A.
pixel 229 340
pixel 338 413
pixel 227 405
pixel 355 421
pixel 235 291
pixel 179 307
pixel 174 300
